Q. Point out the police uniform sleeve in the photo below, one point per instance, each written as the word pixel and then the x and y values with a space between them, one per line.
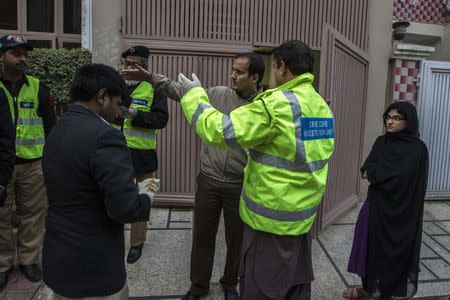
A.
pixel 247 126
pixel 157 117
pixel 46 108
pixel 7 153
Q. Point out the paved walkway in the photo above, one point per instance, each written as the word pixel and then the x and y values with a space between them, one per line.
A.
pixel 163 270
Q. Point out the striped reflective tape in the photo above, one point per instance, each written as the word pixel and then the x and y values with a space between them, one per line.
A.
pixel 299 164
pixel 278 215
pixel 30 142
pixel 228 131
pixel 139 134
pixel 201 107
pixel 31 121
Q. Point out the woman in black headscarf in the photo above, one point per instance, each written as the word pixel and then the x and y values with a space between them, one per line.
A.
pixel 388 233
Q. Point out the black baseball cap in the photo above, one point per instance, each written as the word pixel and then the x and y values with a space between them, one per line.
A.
pixel 140 51
pixel 13 41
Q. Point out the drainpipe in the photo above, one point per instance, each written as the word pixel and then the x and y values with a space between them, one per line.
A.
pixel 86 24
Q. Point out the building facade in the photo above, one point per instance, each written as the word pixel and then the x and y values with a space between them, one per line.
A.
pixel 202 36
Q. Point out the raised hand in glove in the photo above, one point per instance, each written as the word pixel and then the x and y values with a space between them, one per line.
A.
pixel 149 187
pixel 138 73
pixel 188 84
pixel 125 112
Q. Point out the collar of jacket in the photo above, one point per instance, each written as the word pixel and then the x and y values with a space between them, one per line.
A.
pixel 307 78
pixel 10 83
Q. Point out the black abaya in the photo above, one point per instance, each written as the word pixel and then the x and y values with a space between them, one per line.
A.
pixel 397 169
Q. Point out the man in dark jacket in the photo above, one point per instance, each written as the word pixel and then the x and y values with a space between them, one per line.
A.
pixel 146 113
pixel 91 191
pixel 6 147
pixel 219 182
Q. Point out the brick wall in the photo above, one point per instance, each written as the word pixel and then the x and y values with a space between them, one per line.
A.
pixel 406 72
pixel 425 11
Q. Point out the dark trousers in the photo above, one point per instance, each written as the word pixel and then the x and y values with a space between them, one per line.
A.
pixel 210 198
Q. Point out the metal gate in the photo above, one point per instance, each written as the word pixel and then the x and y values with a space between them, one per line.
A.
pixel 178 145
pixel 433 107
pixel 343 84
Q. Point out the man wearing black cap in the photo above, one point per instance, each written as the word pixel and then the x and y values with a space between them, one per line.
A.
pixel 219 182
pixel 146 113
pixel 33 116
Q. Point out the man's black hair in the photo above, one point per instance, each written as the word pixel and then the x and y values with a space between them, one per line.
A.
pixel 255 65
pixel 296 55
pixel 91 78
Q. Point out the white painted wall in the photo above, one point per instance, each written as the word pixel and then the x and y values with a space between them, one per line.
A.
pixel 106 38
pixel 380 25
pixel 442 52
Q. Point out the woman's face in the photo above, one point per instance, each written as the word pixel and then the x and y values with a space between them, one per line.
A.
pixel 395 121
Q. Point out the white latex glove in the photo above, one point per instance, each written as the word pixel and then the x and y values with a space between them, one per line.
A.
pixel 125 112
pixel 149 187
pixel 188 84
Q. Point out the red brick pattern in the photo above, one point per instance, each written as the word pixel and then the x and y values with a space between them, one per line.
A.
pixel 426 11
pixel 406 72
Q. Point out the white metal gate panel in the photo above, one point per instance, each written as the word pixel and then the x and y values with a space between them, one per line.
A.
pixel 434 117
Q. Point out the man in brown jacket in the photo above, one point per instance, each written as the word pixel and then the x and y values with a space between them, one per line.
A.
pixel 219 182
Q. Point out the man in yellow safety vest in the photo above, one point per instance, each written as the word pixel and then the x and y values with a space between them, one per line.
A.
pixel 33 115
pixel 146 113
pixel 289 132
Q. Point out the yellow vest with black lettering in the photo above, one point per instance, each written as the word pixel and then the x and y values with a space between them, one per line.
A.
pixel 138 137
pixel 287 168
pixel 30 136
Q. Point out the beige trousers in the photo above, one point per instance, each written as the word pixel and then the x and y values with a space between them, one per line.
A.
pixel 138 231
pixel 120 295
pixel 25 190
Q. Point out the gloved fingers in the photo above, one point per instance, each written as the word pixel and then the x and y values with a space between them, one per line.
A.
pixel 182 79
pixel 195 79
pixel 149 185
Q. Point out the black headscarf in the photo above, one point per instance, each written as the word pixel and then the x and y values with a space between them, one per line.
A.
pixel 397 169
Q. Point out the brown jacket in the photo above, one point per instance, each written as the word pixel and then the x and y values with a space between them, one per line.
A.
pixel 225 165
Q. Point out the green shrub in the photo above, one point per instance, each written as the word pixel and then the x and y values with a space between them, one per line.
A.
pixel 56 68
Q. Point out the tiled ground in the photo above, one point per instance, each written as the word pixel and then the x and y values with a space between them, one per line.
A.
pixel 163 270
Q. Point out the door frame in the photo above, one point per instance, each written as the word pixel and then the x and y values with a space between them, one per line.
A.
pixel 427 67
pixel 331 39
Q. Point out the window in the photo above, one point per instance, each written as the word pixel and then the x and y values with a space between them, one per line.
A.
pixel 40 15
pixel 40 43
pixel 72 16
pixel 71 45
pixel 45 23
pixel 8 17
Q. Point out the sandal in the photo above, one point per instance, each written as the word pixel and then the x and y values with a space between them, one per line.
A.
pixel 354 293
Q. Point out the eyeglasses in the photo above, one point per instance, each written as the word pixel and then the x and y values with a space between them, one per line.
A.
pixel 395 118
pixel 128 63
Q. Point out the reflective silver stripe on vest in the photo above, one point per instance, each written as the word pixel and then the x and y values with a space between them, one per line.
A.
pixel 278 215
pixel 30 142
pixel 228 131
pixel 34 121
pixel 201 107
pixel 300 164
pixel 279 162
pixel 139 134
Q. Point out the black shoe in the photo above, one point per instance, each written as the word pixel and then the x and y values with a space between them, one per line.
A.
pixel 31 272
pixel 4 278
pixel 190 296
pixel 134 254
pixel 231 294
